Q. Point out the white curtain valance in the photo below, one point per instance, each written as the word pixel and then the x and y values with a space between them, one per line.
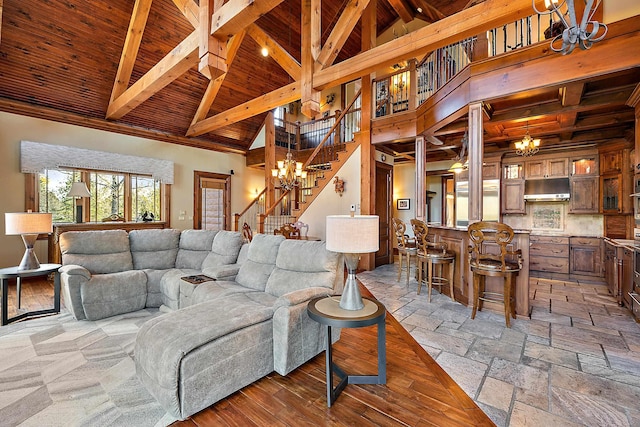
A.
pixel 35 157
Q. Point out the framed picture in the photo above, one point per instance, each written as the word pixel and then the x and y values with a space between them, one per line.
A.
pixel 403 204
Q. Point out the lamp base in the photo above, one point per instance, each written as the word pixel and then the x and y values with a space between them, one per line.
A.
pixel 351 298
pixel 29 259
pixel 79 214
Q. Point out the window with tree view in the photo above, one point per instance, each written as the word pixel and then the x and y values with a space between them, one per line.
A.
pixel 122 195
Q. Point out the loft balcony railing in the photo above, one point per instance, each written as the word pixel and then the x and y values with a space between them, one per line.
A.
pixel 410 86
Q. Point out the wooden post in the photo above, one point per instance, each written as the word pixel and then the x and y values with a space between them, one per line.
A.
pixel 476 154
pixel 421 173
pixel 269 159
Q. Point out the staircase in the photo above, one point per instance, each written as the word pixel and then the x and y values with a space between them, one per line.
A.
pixel 323 162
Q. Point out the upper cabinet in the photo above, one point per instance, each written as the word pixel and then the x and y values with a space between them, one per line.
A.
pixel 585 183
pixel 547 168
pixel 616 176
pixel 512 194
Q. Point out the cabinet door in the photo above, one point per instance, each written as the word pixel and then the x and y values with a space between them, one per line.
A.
pixel 611 162
pixel 584 195
pixel 610 190
pixel 627 276
pixel 585 260
pixel 491 170
pixel 534 169
pixel 557 168
pixel 513 197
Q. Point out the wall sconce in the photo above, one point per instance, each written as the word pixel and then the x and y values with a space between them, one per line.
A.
pixel 339 185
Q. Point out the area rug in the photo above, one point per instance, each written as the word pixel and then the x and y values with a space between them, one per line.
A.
pixel 56 371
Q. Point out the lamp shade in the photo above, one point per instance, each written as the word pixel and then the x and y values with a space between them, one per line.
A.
pixel 27 223
pixel 79 189
pixel 353 234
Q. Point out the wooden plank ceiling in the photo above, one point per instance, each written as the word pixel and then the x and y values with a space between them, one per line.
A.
pixel 60 59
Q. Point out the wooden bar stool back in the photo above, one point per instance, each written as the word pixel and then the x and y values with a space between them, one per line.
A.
pixel 406 246
pixel 434 256
pixel 489 257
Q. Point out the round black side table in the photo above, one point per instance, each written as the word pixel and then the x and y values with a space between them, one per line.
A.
pixel 327 311
pixel 14 273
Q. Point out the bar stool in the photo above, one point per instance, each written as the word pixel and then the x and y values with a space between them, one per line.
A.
pixel 433 254
pixel 406 246
pixel 484 235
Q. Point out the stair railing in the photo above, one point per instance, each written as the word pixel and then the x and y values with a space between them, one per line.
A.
pixel 250 213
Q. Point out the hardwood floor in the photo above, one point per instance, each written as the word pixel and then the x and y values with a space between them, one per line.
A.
pixel 418 392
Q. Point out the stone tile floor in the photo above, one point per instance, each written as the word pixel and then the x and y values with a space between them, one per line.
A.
pixel 576 362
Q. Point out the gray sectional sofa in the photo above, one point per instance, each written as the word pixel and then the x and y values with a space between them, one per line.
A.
pixel 215 337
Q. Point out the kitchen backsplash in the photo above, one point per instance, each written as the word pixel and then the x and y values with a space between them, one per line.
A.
pixel 552 218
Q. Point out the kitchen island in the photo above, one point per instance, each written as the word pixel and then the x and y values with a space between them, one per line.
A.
pixel 457 241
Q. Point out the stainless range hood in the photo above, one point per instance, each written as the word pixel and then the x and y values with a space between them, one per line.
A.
pixel 546 190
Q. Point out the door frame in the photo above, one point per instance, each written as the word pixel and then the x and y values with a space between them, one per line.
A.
pixel 389 207
pixel 198 176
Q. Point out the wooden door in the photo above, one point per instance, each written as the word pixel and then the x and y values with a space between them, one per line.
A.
pixel 212 201
pixel 383 197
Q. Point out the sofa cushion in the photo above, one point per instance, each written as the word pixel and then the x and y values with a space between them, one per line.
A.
pixel 302 264
pixel 100 252
pixel 194 247
pixel 106 295
pixel 155 249
pixel 225 249
pixel 261 260
pixel 170 286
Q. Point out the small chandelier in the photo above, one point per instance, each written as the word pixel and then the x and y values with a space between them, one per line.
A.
pixel 582 33
pixel 528 146
pixel 289 171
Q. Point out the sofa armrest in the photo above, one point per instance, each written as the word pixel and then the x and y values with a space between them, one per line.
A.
pixel 297 338
pixel 72 277
pixel 301 295
pixel 72 269
pixel 222 272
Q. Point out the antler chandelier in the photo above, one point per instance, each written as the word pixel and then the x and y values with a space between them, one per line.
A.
pixel 288 173
pixel 583 33
pixel 528 146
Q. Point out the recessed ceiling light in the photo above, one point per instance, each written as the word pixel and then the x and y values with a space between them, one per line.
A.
pixel 265 51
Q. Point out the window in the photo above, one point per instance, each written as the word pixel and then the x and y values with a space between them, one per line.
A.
pixel 128 196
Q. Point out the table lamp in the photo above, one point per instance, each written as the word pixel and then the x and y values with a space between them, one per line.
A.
pixel 79 190
pixel 28 225
pixel 352 236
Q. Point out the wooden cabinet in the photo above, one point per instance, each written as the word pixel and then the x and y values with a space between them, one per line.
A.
pixel 547 168
pixel 610 267
pixel 512 194
pixel 585 257
pixel 491 170
pixel 616 180
pixel 549 254
pixel 627 275
pixel 584 184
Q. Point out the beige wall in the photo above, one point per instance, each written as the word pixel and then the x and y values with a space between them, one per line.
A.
pixel 15 128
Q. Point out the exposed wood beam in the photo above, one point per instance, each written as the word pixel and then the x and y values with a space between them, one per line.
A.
pixel 571 94
pixel 189 9
pixel 46 113
pixel 482 17
pixel 1 7
pixel 276 51
pixel 169 68
pixel 212 51
pixel 214 85
pixel 310 45
pixel 403 10
pixel 237 15
pixel 137 23
pixel 340 32
pixel 263 103
pixel 430 11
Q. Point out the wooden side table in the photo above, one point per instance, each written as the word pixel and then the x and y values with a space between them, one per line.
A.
pixel 327 311
pixel 14 273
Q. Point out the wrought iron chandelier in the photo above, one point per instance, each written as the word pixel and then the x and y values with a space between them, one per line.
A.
pixel 289 172
pixel 581 33
pixel 528 146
